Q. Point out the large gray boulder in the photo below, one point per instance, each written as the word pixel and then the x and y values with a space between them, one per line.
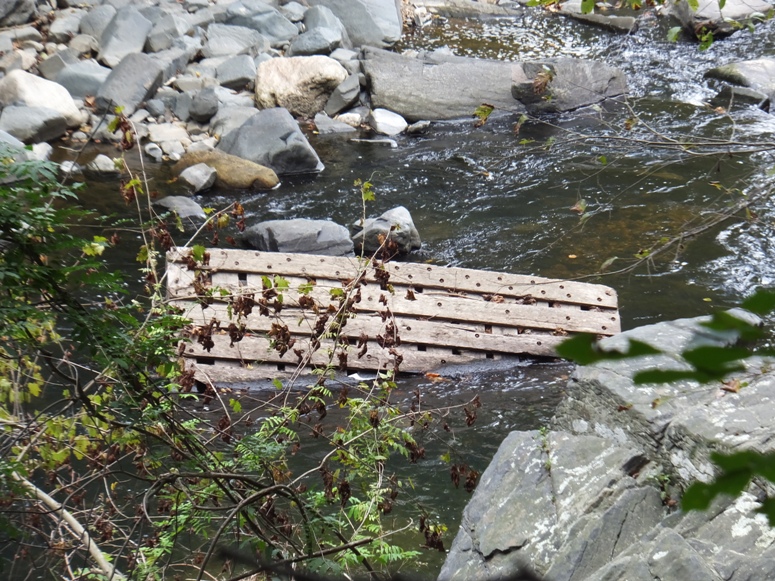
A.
pixel 299 235
pixel 617 456
pixel 263 18
pixel 83 78
pixel 229 40
pixel 300 84
pixel 420 88
pixel 21 88
pixel 15 12
pixel 395 225
pixel 33 124
pixel 565 84
pixel 272 138
pixel 125 34
pixel 720 21
pixel 230 118
pixel 368 22
pixel 135 79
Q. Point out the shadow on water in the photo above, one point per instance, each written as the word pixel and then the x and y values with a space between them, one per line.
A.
pixel 487 198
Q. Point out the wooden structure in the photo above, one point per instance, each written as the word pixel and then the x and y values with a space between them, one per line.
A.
pixel 259 314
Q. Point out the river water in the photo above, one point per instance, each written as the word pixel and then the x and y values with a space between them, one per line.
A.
pixel 484 198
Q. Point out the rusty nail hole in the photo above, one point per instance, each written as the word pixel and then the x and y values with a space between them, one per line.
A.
pixel 468 276
pixel 443 361
pixel 476 335
pixel 500 278
pixel 543 292
pixel 408 328
pixel 438 304
pixel 508 311
pixel 562 286
pixel 568 295
pixel 269 267
pixel 538 342
pixel 604 328
pixel 429 269
pixel 613 318
pixel 288 259
pixel 511 288
pixel 599 300
pixel 410 276
pixel 441 280
pixel 567 318
pixel 531 282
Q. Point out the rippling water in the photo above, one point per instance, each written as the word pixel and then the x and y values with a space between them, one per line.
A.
pixel 482 199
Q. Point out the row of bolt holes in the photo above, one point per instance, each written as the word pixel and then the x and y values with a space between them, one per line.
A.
pixel 441 280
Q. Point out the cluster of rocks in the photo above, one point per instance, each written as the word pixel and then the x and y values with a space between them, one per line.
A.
pixel 593 496
pixel 326 237
pixel 235 75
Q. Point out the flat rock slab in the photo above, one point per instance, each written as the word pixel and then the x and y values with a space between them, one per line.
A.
pixel 757 74
pixel 419 88
pixel 134 80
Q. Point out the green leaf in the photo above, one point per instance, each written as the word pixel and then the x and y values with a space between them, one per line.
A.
pixel 693 4
pixel 674 34
pixel 584 350
pixel 700 494
pixel 587 6
pixel 762 302
pixel 277 383
pixel 142 255
pixel 721 4
pixel 281 283
pixel 198 252
pixel 306 288
pixel 236 406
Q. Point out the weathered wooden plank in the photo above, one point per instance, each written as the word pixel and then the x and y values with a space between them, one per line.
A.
pixel 409 274
pixel 257 350
pixel 488 338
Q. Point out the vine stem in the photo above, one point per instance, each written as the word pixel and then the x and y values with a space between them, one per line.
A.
pixel 77 528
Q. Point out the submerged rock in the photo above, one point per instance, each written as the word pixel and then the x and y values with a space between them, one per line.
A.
pixel 565 84
pixel 395 225
pixel 420 88
pixel 720 21
pixel 233 171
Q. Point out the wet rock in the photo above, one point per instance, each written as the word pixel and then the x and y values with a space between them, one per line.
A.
pixel 354 117
pixel 613 22
pixel 135 79
pixel 154 151
pixel 125 34
pixel 395 225
pixel 419 88
pixel 183 206
pixel 708 16
pixel 730 97
pixel 103 165
pixel 33 124
pixel 462 9
pixel 155 108
pixel 21 88
pixel 344 96
pixel 386 122
pixel 756 74
pixel 299 235
pixel 325 125
pixel 237 72
pixel 15 12
pixel 83 78
pixel 263 18
pixel 161 132
pixel 198 178
pixel 300 84
pixel 368 22
pixel 232 171
pixel 566 84
pixel 272 138
pixel 229 40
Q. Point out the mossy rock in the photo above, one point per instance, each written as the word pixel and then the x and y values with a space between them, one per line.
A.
pixel 233 171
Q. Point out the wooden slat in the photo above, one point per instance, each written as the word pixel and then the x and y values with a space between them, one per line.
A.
pixel 425 276
pixel 257 350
